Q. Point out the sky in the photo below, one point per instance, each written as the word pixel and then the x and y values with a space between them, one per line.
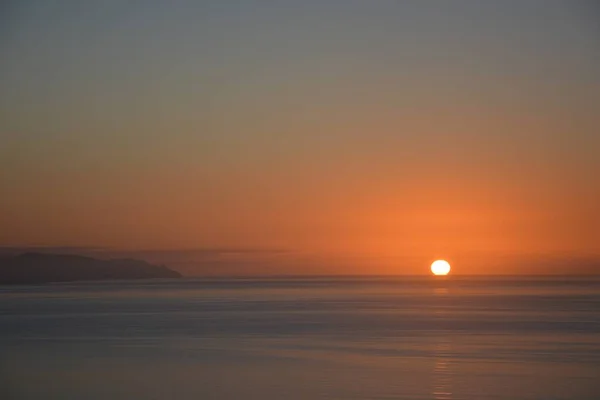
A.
pixel 304 137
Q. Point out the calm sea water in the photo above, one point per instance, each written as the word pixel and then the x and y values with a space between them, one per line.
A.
pixel 318 338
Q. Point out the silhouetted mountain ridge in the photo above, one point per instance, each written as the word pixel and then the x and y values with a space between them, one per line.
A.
pixel 31 268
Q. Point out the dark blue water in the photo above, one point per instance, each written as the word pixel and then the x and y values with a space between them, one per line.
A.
pixel 315 338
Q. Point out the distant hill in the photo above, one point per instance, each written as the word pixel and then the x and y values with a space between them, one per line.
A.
pixel 33 268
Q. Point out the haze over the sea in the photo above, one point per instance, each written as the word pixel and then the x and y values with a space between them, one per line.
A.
pixel 334 137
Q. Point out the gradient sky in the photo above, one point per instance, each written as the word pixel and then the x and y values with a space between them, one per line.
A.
pixel 357 135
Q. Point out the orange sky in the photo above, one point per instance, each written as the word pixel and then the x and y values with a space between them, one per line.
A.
pixel 361 139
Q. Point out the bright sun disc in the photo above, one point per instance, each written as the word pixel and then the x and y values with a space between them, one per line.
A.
pixel 440 267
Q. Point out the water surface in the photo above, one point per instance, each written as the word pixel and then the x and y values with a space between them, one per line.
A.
pixel 303 338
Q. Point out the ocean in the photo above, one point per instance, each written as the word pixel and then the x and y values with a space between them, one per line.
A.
pixel 303 338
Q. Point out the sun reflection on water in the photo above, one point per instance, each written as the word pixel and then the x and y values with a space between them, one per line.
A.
pixel 442 350
pixel 442 373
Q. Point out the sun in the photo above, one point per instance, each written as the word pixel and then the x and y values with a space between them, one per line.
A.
pixel 440 267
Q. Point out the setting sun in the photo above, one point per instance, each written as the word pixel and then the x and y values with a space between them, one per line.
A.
pixel 440 267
